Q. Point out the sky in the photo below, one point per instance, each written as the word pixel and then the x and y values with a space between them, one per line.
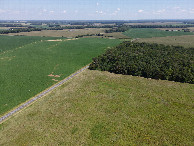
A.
pixel 96 9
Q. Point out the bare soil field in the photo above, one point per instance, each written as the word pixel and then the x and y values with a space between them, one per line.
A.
pixel 186 40
pixel 62 33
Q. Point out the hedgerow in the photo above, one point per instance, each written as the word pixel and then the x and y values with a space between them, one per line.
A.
pixel 157 61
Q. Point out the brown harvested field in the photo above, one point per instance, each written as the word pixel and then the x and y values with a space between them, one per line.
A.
pixel 62 33
pixel 186 40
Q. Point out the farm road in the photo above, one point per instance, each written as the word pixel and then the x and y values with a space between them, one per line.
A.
pixel 3 118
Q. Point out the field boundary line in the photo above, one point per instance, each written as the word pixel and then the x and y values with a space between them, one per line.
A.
pixel 32 100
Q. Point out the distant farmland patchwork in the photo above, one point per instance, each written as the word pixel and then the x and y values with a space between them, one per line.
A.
pixel 29 65
pixel 95 107
pixel 150 32
pixel 62 33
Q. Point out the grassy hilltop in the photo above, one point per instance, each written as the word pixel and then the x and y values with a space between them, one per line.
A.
pixel 100 108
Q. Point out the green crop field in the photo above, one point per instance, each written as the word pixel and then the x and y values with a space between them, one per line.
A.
pixel 13 42
pixel 100 108
pixel 150 32
pixel 24 70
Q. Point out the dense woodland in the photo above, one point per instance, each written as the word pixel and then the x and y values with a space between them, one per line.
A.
pixel 156 61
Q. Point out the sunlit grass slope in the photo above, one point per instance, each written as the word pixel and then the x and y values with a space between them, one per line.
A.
pixel 100 108
pixel 24 71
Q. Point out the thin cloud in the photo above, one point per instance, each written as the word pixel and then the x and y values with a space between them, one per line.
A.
pixel 183 10
pixel 2 11
pixel 97 4
pixel 140 11
pixel 101 12
pixel 161 11
pixel 192 11
pixel 116 12
pixel 64 11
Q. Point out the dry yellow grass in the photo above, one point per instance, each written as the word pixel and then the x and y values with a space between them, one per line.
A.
pixel 186 40
pixel 62 33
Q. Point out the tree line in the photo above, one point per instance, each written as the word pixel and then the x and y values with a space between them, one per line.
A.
pixel 174 63
pixel 123 28
pixel 51 27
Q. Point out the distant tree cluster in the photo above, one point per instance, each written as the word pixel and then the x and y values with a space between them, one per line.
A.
pixel 28 29
pixel 17 30
pixel 161 26
pixel 11 25
pixel 87 26
pixel 173 63
pixel 123 28
pixel 50 27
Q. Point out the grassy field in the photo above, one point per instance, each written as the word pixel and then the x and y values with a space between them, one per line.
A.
pixel 24 70
pixel 117 35
pixel 64 33
pixel 149 33
pixel 185 41
pixel 100 108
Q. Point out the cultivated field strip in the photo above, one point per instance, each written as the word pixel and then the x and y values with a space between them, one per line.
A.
pixel 3 118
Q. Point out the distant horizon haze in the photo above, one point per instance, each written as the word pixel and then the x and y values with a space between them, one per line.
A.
pixel 96 9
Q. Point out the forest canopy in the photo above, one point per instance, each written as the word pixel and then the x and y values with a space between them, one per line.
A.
pixel 157 61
